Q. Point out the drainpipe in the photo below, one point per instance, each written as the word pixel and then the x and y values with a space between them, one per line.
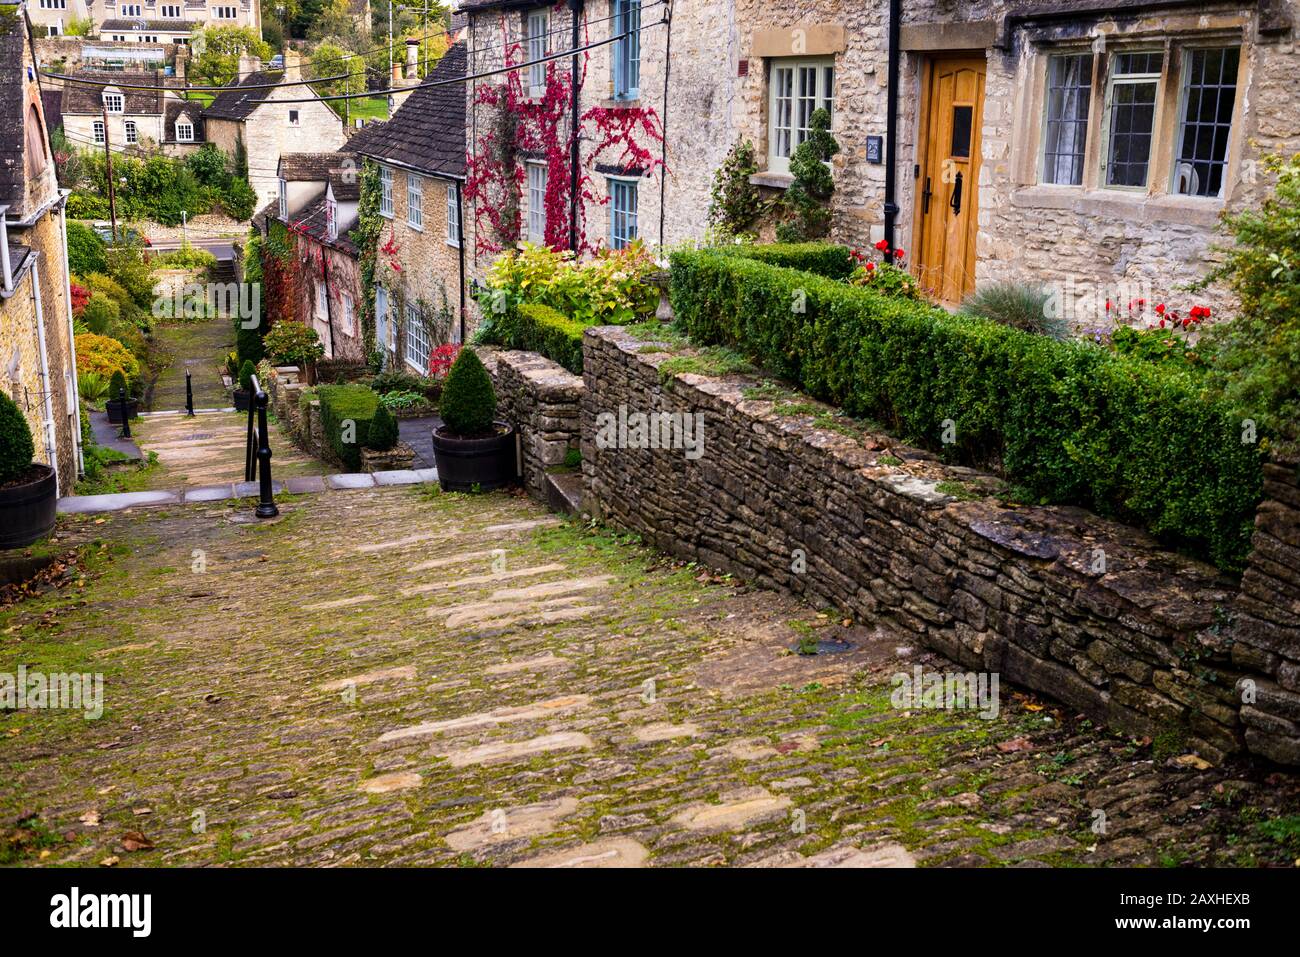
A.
pixel 72 335
pixel 50 449
pixel 4 251
pixel 891 126
pixel 460 253
pixel 575 7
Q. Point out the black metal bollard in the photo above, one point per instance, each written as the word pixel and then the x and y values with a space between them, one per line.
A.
pixel 126 413
pixel 189 394
pixel 266 502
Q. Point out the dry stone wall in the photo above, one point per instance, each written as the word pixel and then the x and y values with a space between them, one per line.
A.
pixel 1089 611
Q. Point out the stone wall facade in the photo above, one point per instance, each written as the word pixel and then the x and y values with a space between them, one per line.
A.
pixel 543 400
pixel 428 270
pixel 1056 599
pixel 1087 240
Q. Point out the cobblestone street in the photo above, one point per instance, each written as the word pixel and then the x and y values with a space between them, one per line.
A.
pixel 400 677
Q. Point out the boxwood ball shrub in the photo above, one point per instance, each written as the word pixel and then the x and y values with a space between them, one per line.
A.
pixel 16 447
pixel 469 403
pixel 383 431
pixel 347 412
pixel 1066 422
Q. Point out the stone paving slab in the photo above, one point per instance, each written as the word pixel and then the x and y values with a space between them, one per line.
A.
pixel 350 480
pixel 110 436
pixel 210 493
pixel 305 483
pixel 73 504
pixel 397 477
pixel 254 489
pixel 254 707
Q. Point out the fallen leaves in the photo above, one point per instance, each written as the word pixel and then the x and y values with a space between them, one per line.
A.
pixel 90 818
pixel 1015 744
pixel 136 841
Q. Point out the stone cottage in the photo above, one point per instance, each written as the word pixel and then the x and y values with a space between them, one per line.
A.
pixel 129 108
pixel 37 354
pixel 421 275
pixel 319 196
pixel 260 116
pixel 170 21
pixel 658 192
pixel 1089 147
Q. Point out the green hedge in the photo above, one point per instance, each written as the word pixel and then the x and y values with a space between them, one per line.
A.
pixel 338 405
pixel 1066 422
pixel 824 259
pixel 542 329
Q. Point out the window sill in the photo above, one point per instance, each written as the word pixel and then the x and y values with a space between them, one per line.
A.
pixel 453 244
pixel 387 215
pixel 772 180
pixel 1119 204
pixel 621 103
pixel 418 228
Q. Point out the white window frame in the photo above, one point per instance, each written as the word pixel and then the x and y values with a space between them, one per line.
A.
pixel 349 316
pixel 331 218
pixel 415 201
pixel 224 13
pixel 537 26
pixel 453 214
pixel 1131 79
pixel 131 11
pixel 418 346
pixel 385 329
pixel 184 131
pixel 386 192
pixel 114 101
pixel 615 185
pixel 823 96
pixel 171 11
pixel 537 174
pixel 284 199
pixel 130 134
pixel 322 300
pixel 97 132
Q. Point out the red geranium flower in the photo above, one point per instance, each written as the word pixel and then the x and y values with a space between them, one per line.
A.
pixel 882 245
pixel 898 253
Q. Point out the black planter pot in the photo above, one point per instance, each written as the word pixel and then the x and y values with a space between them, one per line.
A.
pixel 467 465
pixel 28 510
pixel 242 397
pixel 114 409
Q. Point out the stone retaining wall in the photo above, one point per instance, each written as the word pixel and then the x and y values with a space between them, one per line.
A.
pixel 543 400
pixel 1089 611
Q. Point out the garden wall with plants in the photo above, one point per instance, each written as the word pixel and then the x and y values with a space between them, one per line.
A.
pixel 791 495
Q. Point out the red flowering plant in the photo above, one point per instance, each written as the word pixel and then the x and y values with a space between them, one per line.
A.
pixel 80 296
pixel 441 358
pixel 887 276
pixel 1159 333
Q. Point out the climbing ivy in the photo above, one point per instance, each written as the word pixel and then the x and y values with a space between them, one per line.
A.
pixel 366 236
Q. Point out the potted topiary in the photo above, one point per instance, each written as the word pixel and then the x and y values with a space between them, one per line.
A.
pixel 119 412
pixel 29 493
pixel 383 452
pixel 243 395
pixel 471 449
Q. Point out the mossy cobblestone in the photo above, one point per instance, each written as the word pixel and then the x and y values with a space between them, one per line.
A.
pixel 249 717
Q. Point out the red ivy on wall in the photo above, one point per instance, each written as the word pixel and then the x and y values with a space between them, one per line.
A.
pixel 537 126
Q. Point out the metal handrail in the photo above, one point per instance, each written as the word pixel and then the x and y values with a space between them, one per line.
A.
pixel 257 452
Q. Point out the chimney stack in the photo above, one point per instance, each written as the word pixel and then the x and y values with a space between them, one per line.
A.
pixel 412 59
pixel 248 65
pixel 181 62
pixel 292 66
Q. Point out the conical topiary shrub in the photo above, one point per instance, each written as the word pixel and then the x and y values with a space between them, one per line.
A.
pixel 383 430
pixel 117 386
pixel 469 403
pixel 16 447
pixel 246 373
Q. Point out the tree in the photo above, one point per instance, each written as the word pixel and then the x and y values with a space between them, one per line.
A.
pixel 218 61
pixel 734 201
pixel 807 199
pixel 330 59
pixel 85 250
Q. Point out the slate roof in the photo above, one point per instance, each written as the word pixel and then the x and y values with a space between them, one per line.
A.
pixel 346 185
pixel 299 167
pixel 148 26
pixel 427 133
pixel 311 221
pixel 82 99
pixel 236 102
pixel 52 105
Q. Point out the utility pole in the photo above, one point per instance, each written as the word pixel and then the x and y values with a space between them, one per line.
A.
pixel 108 175
pixel 390 43
pixel 575 7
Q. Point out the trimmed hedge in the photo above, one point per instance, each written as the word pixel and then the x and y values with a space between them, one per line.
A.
pixel 1067 422
pixel 824 259
pixel 340 404
pixel 541 329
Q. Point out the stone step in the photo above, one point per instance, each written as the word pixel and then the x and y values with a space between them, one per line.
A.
pixel 564 492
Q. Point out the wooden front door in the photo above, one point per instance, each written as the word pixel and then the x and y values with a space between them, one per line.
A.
pixel 947 190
